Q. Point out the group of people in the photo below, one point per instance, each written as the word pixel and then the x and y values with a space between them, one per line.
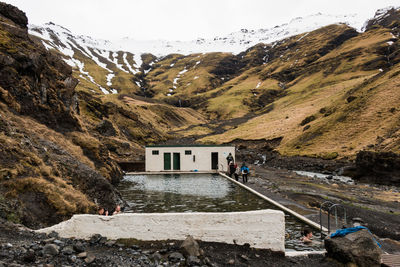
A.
pixel 234 170
pixel 102 211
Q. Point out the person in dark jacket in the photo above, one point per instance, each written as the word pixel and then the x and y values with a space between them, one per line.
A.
pixel 232 169
pixel 245 172
pixel 229 158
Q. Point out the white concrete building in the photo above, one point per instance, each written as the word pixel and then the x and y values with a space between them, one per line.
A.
pixel 202 158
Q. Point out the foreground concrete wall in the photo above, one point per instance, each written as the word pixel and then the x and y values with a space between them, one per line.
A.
pixel 261 229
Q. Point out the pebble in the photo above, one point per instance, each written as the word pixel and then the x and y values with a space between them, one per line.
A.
pixel 175 256
pixel 78 247
pixel 156 256
pixel 50 249
pixel 58 242
pixel 68 250
pixel 192 260
pixel 82 255
pixel 89 259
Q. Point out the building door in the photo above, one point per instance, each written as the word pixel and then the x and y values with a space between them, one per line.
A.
pixel 177 161
pixel 167 161
pixel 214 160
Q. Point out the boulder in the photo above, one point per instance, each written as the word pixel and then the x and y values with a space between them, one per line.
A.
pixel 190 247
pixel 359 247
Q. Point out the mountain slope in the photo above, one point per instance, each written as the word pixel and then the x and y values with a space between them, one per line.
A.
pixel 341 102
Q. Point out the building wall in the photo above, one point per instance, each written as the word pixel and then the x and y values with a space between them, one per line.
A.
pixel 202 156
pixel 261 228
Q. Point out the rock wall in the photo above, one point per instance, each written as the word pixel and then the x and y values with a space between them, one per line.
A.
pixel 380 168
pixel 261 229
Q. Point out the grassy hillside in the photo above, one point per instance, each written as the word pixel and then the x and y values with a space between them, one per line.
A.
pixel 318 92
pixel 340 103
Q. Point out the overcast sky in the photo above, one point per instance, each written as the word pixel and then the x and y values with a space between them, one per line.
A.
pixel 182 19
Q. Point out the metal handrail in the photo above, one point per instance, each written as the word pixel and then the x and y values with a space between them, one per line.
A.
pixel 336 220
pixel 320 213
pixel 331 206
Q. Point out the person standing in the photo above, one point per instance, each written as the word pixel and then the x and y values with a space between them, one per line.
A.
pixel 237 172
pixel 245 172
pixel 229 158
pixel 232 169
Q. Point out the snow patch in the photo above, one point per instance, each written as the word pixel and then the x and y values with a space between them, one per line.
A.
pixel 109 78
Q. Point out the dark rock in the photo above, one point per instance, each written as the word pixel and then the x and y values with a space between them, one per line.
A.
pixel 190 247
pixel 89 259
pixel 29 256
pixel 68 250
pixel 193 261
pixel 95 239
pixel 176 257
pixel 50 249
pixel 359 248
pixel 307 120
pixel 58 242
pixel 106 128
pixel 351 99
pixel 156 256
pixel 53 234
pixel 135 247
pixel 78 247
pixel 14 14
pixel 378 167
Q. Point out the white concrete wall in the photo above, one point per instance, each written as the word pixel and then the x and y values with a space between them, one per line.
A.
pixel 202 157
pixel 261 229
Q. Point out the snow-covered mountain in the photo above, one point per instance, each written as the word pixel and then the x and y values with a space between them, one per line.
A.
pixel 127 55
pixel 235 42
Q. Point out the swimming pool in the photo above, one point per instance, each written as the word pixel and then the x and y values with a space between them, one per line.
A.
pixel 201 193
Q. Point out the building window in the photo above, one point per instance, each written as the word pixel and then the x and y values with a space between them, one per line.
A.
pixel 155 152
pixel 188 152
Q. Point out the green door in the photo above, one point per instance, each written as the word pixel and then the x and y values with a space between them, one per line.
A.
pixel 167 161
pixel 177 161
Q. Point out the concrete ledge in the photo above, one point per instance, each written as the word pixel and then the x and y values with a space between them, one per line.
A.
pixel 280 206
pixel 261 228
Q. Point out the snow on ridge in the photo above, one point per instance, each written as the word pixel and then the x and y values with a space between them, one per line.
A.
pixel 235 42
pixel 124 57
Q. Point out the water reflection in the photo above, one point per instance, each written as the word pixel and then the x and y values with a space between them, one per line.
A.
pixel 198 193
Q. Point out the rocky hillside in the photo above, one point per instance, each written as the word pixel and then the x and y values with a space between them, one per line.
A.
pixel 59 144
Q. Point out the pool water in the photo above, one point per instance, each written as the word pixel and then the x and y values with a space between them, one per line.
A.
pixel 201 193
